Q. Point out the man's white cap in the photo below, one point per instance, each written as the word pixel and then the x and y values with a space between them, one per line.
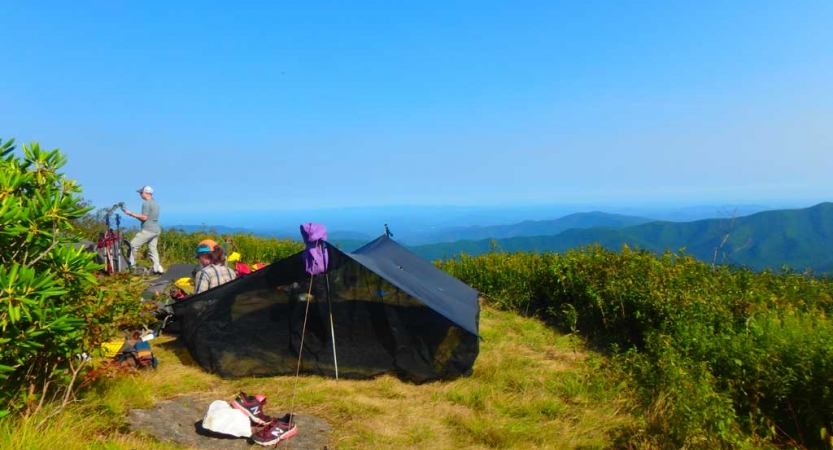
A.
pixel 145 190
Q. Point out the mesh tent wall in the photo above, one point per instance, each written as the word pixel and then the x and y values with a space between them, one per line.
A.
pixel 392 312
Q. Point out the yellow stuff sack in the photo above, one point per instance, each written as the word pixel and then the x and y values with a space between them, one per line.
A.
pixel 186 284
pixel 110 349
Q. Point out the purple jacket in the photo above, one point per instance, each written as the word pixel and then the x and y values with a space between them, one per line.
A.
pixel 315 256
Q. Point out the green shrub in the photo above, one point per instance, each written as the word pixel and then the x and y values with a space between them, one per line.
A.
pixel 52 309
pixel 177 246
pixel 722 356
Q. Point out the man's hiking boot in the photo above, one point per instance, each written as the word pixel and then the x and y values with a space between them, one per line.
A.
pixel 252 407
pixel 277 430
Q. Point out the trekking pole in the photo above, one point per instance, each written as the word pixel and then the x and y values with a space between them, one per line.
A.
pixel 117 244
pixel 108 235
pixel 332 327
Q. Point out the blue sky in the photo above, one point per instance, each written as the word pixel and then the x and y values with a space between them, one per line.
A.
pixel 284 105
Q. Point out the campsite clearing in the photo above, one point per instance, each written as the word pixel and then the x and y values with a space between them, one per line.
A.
pixel 532 388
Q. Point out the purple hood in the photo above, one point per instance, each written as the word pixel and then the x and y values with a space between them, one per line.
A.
pixel 315 256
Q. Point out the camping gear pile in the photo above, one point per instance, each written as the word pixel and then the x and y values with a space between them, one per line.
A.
pixel 380 309
pixel 163 293
pixel 244 417
pixel 134 351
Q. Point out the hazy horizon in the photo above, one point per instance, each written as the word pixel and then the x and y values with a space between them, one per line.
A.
pixel 412 220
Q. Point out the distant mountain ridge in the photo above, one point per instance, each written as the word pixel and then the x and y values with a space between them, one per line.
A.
pixel 528 228
pixel 799 238
pixel 222 229
pixel 451 234
pixel 341 235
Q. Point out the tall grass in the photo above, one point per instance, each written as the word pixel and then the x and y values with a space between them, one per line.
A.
pixel 177 246
pixel 722 357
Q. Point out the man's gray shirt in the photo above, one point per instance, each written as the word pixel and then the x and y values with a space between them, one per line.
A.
pixel 151 210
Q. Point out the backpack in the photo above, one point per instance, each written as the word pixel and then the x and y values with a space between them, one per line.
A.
pixel 140 354
pixel 144 355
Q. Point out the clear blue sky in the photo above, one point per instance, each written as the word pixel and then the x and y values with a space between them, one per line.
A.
pixel 273 105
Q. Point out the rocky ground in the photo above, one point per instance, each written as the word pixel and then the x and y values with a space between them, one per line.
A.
pixel 179 421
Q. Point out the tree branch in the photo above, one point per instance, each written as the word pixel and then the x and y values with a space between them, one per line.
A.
pixel 75 372
pixel 47 381
pixel 51 246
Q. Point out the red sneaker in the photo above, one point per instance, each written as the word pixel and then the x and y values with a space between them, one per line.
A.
pixel 252 407
pixel 278 430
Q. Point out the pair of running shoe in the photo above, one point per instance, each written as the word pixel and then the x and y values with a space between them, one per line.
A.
pixel 271 430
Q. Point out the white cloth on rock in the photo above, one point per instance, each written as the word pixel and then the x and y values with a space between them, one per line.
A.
pixel 222 418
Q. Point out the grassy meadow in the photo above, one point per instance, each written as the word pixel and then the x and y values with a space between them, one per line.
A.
pixel 532 388
pixel 586 349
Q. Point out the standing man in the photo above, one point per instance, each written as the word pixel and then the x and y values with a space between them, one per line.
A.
pixel 149 234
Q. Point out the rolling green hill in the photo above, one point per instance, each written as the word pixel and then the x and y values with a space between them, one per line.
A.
pixel 527 228
pixel 798 238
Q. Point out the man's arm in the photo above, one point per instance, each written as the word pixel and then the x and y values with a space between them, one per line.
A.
pixel 141 217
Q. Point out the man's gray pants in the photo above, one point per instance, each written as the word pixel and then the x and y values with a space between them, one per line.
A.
pixel 145 237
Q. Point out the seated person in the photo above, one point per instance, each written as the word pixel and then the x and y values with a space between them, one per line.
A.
pixel 214 271
pixel 211 243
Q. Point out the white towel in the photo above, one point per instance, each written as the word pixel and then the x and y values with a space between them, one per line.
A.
pixel 222 418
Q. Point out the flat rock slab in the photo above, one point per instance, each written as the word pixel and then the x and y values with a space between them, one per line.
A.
pixel 179 420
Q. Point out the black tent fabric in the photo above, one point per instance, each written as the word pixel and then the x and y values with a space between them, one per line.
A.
pixel 438 290
pixel 391 312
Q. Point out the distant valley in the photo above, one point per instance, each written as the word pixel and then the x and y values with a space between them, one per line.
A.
pixel 416 225
pixel 527 228
pixel 755 237
pixel 799 238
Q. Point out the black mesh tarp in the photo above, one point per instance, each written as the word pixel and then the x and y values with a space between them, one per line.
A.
pixel 392 312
